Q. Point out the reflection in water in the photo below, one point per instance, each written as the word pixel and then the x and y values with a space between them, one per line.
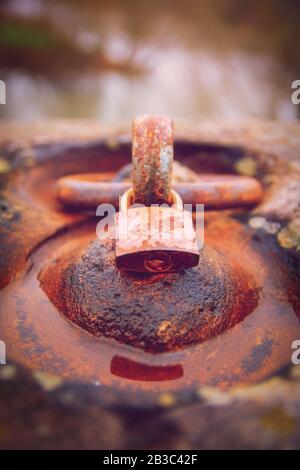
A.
pixel 112 60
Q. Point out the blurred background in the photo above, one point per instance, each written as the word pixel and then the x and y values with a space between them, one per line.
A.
pixel 113 59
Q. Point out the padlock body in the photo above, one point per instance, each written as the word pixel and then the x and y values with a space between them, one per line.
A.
pixel 155 240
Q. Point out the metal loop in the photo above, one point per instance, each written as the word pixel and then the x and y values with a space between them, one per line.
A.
pixel 152 158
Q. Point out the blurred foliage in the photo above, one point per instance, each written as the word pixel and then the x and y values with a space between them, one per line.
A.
pixel 73 44
pixel 15 34
pixel 39 47
pixel 49 38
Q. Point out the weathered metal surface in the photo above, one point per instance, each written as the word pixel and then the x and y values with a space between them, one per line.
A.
pixel 155 239
pixel 72 416
pixel 180 174
pixel 47 251
pixel 160 313
pixel 152 159
pixel 87 191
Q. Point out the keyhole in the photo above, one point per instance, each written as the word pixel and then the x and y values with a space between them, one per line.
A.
pixel 158 262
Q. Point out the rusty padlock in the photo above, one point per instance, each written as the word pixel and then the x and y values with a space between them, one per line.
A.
pixel 155 238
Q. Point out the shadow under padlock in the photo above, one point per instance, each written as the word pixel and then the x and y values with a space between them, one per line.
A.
pixel 228 320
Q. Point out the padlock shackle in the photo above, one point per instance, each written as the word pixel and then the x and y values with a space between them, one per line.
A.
pixel 127 198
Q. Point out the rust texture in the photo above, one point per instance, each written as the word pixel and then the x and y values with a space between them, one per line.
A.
pixel 155 239
pixel 87 191
pixel 233 318
pixel 166 250
pixel 163 312
pixel 152 158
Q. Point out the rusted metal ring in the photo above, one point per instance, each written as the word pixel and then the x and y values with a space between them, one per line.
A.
pixel 152 158
pixel 127 197
pixel 86 191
